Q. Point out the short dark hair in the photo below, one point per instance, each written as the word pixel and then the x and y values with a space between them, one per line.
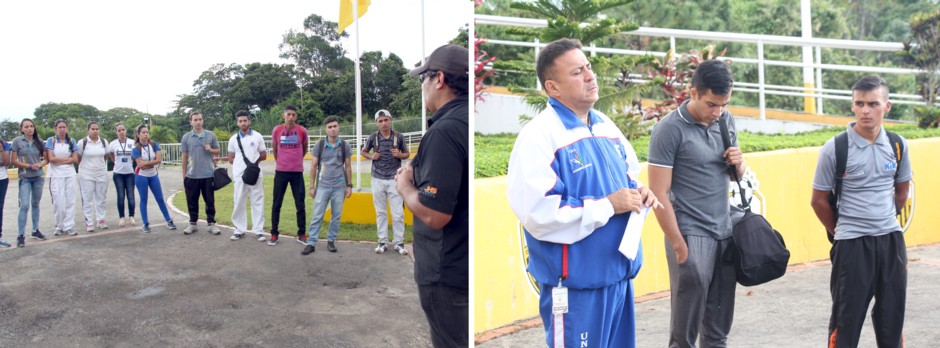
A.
pixel 870 83
pixel 457 84
pixel 241 113
pixel 194 113
pixel 546 60
pixel 290 107
pixel 330 119
pixel 713 75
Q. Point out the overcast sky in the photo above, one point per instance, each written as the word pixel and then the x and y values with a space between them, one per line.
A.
pixel 143 54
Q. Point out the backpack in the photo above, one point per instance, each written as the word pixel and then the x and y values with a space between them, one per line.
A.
pixel 320 145
pixel 108 166
pixel 842 154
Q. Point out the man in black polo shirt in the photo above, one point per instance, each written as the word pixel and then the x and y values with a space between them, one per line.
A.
pixel 434 186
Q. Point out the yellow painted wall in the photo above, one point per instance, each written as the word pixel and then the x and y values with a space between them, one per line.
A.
pixel 502 292
pixel 358 209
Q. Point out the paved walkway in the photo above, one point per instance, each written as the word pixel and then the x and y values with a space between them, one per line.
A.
pixel 121 287
pixel 789 312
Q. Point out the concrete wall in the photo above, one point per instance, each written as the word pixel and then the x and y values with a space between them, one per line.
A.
pixel 503 291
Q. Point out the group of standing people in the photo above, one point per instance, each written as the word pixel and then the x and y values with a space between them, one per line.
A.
pixel 573 185
pixel 82 163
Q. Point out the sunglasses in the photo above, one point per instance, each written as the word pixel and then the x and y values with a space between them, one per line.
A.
pixel 423 76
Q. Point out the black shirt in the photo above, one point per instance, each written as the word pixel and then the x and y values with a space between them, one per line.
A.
pixel 441 169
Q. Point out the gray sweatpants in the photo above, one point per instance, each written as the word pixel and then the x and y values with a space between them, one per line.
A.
pixel 702 299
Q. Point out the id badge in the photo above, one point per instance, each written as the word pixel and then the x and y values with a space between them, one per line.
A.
pixel 559 300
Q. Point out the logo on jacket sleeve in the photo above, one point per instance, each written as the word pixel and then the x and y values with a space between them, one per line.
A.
pixel 429 191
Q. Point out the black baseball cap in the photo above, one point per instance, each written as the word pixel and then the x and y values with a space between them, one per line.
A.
pixel 451 59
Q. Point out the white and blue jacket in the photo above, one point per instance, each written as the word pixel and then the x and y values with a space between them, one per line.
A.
pixel 560 173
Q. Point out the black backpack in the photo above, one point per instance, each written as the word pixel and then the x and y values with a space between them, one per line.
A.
pixel 842 154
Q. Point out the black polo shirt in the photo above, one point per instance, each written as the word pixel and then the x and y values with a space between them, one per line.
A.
pixel 441 169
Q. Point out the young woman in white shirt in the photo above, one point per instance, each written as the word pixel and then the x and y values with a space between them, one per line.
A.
pixel 121 153
pixel 62 152
pixel 93 177
pixel 147 155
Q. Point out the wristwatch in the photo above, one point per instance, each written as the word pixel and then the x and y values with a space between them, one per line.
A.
pixel 349 185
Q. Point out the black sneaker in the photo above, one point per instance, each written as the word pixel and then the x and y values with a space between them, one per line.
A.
pixel 37 235
pixel 20 241
pixel 330 247
pixel 273 240
pixel 308 249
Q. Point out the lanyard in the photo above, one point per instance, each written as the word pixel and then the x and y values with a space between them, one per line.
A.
pixel 123 148
pixel 564 264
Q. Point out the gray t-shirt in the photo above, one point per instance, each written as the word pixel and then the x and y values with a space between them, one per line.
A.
pixel 27 152
pixel 867 204
pixel 387 165
pixel 200 161
pixel 699 192
pixel 332 170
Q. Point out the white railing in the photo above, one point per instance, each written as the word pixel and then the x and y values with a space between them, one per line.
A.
pixel 760 87
pixel 171 152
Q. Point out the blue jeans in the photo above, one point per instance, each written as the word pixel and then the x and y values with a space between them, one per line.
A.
pixel 124 185
pixel 153 182
pixel 334 196
pixel 30 193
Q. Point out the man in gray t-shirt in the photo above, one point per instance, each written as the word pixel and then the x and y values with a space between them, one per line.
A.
pixel 869 256
pixel 333 185
pixel 198 148
pixel 688 163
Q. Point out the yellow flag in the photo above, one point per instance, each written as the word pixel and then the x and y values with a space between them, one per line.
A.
pixel 346 12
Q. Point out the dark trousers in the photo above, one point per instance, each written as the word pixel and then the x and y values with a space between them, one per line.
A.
pixel 124 185
pixel 3 194
pixel 195 187
pixel 863 268
pixel 446 310
pixel 296 181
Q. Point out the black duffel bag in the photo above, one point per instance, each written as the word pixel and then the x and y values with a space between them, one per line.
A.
pixel 757 250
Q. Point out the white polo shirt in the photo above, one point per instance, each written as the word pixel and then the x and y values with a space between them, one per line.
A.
pixel 92 153
pixel 253 145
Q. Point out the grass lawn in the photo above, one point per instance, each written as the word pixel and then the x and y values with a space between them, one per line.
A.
pixel 224 204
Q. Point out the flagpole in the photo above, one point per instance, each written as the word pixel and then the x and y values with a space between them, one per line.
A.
pixel 358 95
pixel 424 115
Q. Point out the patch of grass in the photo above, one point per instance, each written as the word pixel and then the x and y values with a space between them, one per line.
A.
pixel 492 151
pixel 224 205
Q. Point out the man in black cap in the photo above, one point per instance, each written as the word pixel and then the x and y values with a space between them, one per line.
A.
pixel 434 186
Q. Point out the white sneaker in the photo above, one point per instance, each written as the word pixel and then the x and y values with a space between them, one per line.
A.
pixel 133 223
pixel 121 224
pixel 260 237
pixel 237 236
pixel 380 248
pixel 213 229
pixel 102 225
pixel 190 229
pixel 401 249
pixel 89 228
pixel 72 232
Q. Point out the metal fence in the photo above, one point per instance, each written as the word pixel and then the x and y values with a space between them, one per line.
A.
pixel 759 87
pixel 171 152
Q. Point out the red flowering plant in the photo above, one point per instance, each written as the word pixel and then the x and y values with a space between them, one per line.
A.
pixel 676 74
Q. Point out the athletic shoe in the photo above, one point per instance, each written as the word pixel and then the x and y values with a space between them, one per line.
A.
pixel 20 241
pixel 237 236
pixel 213 229
pixel 37 235
pixel 72 232
pixel 190 229
pixel 146 228
pixel 121 224
pixel 380 249
pixel 57 232
pixel 302 239
pixel 169 224
pixel 4 244
pixel 273 240
pixel 260 237
pixel 308 249
pixel 102 225
pixel 330 247
pixel 401 249
pixel 133 223
pixel 90 228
